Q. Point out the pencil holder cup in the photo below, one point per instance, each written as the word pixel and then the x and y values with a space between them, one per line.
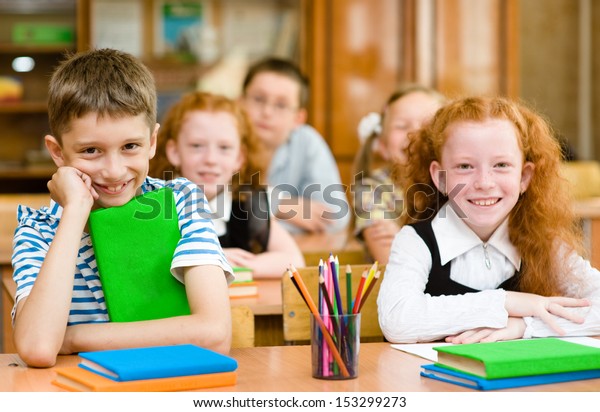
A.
pixel 335 343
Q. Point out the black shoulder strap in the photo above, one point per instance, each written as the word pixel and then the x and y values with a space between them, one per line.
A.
pixel 249 224
pixel 439 282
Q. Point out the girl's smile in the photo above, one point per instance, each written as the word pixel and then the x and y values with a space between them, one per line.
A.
pixel 208 150
pixel 484 172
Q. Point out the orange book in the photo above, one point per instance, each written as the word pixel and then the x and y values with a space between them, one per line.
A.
pixel 77 379
pixel 243 289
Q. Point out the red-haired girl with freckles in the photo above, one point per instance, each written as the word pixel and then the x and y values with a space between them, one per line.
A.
pixel 491 249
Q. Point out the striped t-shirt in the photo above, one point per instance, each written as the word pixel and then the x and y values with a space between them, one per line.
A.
pixel 199 245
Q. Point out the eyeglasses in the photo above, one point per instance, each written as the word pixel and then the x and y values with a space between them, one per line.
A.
pixel 262 102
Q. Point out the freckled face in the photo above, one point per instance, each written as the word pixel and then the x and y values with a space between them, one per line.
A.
pixel 208 150
pixel 485 172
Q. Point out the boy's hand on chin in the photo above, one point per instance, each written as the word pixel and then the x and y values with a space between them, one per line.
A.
pixel 70 186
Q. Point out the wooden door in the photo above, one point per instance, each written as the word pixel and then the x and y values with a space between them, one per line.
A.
pixel 356 52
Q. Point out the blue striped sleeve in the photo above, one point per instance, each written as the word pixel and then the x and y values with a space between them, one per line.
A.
pixel 199 244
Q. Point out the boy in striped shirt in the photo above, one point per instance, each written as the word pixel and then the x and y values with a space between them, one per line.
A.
pixel 102 113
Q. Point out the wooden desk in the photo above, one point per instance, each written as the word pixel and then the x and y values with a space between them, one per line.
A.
pixel 317 242
pixel 315 246
pixel 287 369
pixel 268 309
pixel 268 301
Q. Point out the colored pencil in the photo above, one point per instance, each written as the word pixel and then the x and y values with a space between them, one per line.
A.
pixel 339 276
pixel 369 289
pixel 336 286
pixel 296 284
pixel 320 292
pixel 369 277
pixel 311 305
pixel 348 289
pixel 328 365
pixel 323 361
pixel 361 285
pixel 328 301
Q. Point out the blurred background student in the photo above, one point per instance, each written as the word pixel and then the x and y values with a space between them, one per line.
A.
pixel 384 136
pixel 208 139
pixel 308 192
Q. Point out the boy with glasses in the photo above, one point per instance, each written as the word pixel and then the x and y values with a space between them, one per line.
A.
pixel 308 194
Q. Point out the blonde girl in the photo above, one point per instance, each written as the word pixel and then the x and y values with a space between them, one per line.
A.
pixel 378 202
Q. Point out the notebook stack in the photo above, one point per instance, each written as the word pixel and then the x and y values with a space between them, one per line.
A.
pixel 510 364
pixel 151 369
pixel 244 285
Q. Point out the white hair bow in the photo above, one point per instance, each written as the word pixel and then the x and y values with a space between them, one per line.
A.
pixel 369 124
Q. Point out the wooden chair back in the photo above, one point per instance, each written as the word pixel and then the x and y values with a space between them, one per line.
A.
pixel 242 320
pixel 8 217
pixel 583 176
pixel 296 319
pixel 8 291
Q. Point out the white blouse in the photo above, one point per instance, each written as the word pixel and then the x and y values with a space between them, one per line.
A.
pixel 220 207
pixel 407 314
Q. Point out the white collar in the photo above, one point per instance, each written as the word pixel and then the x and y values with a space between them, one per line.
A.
pixel 220 207
pixel 455 238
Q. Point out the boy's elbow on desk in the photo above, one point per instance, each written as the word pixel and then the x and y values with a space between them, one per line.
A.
pixel 37 355
pixel 216 337
pixel 35 350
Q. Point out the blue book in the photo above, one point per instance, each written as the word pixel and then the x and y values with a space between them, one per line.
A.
pixel 475 382
pixel 156 362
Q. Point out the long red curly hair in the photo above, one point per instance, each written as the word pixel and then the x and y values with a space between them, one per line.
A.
pixel 541 221
pixel 252 173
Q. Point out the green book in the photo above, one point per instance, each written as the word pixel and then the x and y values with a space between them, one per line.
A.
pixel 242 274
pixel 134 246
pixel 523 357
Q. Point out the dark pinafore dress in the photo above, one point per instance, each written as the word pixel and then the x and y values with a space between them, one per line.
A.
pixel 439 282
pixel 249 224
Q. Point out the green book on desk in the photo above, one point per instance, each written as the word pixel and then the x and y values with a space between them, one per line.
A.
pixel 134 246
pixel 523 357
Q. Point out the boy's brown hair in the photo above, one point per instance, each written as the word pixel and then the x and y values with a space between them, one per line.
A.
pixel 104 81
pixel 282 67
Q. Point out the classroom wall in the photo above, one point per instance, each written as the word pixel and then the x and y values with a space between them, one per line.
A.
pixel 549 57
